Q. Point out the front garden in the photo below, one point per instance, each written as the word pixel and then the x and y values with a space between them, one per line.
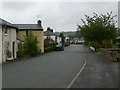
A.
pixel 50 45
pixel 29 47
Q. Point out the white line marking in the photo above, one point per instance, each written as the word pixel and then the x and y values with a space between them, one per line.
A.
pixel 75 78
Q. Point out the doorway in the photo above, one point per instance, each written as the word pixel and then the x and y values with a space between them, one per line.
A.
pixel 13 50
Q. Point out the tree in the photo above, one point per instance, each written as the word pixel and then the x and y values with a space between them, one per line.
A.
pixel 31 42
pixel 62 37
pixel 98 28
pixel 21 52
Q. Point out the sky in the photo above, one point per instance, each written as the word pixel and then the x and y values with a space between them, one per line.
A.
pixel 61 16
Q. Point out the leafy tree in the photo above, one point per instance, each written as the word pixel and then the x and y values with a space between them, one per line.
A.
pixel 62 37
pixel 31 42
pixel 98 28
pixel 21 52
pixel 46 42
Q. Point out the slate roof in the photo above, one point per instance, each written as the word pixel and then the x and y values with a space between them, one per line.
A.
pixel 29 27
pixel 48 33
pixel 5 23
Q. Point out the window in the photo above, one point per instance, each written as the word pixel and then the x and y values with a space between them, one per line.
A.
pixel 5 31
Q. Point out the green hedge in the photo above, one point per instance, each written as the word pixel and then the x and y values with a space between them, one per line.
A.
pixel 48 49
pixel 67 44
pixel 94 44
pixel 21 51
pixel 107 44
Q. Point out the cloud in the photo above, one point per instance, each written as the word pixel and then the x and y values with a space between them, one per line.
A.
pixel 59 15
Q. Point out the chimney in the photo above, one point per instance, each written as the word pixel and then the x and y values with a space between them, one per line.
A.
pixel 39 22
pixel 51 30
pixel 48 28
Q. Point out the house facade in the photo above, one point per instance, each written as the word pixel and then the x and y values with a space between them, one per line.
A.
pixel 36 29
pixel 0 42
pixel 49 34
pixel 67 39
pixel 7 41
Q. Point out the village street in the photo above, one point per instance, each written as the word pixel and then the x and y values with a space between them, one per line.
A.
pixel 57 69
pixel 51 70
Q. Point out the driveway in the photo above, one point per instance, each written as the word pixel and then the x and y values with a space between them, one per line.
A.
pixel 51 70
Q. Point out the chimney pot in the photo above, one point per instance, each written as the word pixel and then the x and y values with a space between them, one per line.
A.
pixel 39 22
pixel 51 30
pixel 48 28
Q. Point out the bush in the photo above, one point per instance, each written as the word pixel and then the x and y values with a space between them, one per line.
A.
pixel 67 44
pixel 21 52
pixel 46 42
pixel 9 53
pixel 118 45
pixel 86 42
pixel 94 44
pixel 48 49
pixel 107 44
pixel 31 42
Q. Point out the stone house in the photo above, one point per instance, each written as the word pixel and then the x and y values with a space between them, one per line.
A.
pixel 37 30
pixel 7 41
pixel 50 34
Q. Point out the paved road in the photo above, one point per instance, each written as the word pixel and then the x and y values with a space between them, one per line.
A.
pixel 0 76
pixel 51 70
pixel 98 73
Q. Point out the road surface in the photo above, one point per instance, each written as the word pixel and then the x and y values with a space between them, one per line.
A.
pixel 58 69
pixel 51 70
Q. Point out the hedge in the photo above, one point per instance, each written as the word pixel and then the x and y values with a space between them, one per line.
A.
pixel 48 49
pixel 66 44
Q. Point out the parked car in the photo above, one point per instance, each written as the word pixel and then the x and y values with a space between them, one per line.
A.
pixel 60 47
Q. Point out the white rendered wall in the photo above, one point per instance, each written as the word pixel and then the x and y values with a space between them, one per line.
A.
pixel 0 44
pixel 10 37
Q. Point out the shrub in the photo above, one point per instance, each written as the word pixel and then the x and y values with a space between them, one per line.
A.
pixel 54 46
pixel 118 45
pixel 86 42
pixel 21 52
pixel 107 44
pixel 31 42
pixel 66 44
pixel 94 44
pixel 48 49
pixel 9 53
pixel 46 42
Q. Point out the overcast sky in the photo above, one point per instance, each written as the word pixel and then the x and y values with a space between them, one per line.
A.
pixel 61 16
